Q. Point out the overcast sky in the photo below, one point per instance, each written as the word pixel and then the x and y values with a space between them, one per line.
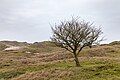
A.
pixel 29 20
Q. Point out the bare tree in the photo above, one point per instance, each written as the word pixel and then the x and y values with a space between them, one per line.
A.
pixel 74 35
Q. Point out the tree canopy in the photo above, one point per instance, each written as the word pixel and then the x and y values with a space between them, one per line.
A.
pixel 74 35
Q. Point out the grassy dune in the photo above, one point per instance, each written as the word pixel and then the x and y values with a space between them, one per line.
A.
pixel 45 61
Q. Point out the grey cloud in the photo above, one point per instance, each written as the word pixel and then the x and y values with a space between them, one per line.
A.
pixel 29 20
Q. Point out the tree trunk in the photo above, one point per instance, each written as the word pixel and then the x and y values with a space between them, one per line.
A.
pixel 76 60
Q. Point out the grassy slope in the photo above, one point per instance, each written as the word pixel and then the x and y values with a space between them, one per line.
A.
pixel 53 63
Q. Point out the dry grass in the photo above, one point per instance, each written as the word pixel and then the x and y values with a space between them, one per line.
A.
pixel 46 74
pixel 54 63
